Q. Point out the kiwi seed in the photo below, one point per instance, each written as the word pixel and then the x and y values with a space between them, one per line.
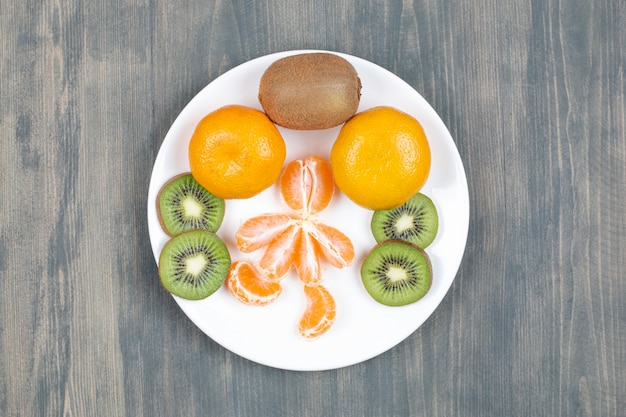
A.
pixel 194 264
pixel 183 205
pixel 416 222
pixel 396 273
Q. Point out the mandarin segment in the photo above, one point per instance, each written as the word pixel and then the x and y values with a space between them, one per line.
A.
pixel 335 247
pixel 291 185
pixel 307 260
pixel 258 232
pixel 324 184
pixel 247 285
pixel 307 185
pixel 319 314
pixel 279 254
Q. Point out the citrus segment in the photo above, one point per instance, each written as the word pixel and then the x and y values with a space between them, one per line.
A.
pixel 381 158
pixel 236 152
pixel 335 247
pixel 297 240
pixel 257 232
pixel 319 314
pixel 307 260
pixel 279 253
pixel 307 185
pixel 246 284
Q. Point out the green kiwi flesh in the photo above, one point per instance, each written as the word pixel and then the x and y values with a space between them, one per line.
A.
pixel 416 222
pixel 183 205
pixel 194 264
pixel 396 273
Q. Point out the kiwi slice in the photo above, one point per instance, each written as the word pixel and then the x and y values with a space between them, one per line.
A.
pixel 416 222
pixel 183 204
pixel 194 264
pixel 396 273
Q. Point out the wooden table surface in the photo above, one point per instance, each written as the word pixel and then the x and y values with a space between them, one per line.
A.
pixel 533 93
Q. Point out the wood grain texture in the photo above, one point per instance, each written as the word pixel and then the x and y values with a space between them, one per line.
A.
pixel 533 93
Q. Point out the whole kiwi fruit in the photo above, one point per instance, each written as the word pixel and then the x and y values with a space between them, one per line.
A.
pixel 310 91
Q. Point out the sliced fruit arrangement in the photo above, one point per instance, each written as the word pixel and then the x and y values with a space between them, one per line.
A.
pixel 183 205
pixel 194 264
pixel 297 240
pixel 380 158
pixel 415 221
pixel 396 273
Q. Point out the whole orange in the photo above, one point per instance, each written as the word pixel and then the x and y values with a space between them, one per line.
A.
pixel 381 158
pixel 236 152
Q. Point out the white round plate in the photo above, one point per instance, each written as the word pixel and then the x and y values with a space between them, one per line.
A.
pixel 363 328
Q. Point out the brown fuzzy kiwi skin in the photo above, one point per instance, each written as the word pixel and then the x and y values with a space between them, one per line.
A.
pixel 310 91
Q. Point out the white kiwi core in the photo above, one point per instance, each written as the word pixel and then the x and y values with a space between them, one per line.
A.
pixel 191 207
pixel 404 223
pixel 395 274
pixel 195 264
